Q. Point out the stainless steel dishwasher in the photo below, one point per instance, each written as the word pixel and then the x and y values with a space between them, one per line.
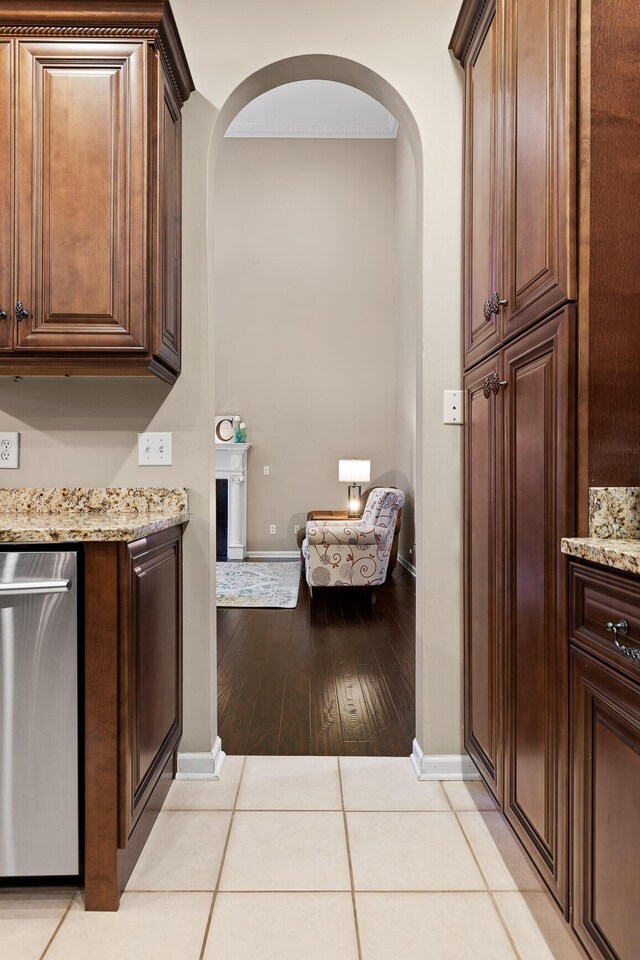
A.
pixel 39 808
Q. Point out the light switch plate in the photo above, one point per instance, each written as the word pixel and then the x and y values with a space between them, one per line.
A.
pixel 453 406
pixel 155 449
pixel 9 451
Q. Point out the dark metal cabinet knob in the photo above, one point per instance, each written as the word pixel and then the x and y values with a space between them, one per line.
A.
pixel 3 314
pixel 622 628
pixel 493 304
pixel 492 384
pixel 21 313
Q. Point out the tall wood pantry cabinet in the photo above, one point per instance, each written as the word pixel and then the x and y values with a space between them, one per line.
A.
pixel 519 341
pixel 90 188
pixel 552 361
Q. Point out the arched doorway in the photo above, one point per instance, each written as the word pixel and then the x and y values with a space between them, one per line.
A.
pixel 356 75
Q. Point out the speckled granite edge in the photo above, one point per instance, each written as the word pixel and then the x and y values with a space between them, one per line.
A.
pixel 614 512
pixel 86 500
pixel 609 551
pixel 85 528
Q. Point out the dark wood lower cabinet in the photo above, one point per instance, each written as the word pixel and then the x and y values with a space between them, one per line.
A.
pixel 538 512
pixel 519 496
pixel 483 575
pixel 133 701
pixel 606 808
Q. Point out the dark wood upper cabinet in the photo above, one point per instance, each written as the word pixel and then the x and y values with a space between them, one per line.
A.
pixel 6 197
pixel 606 807
pixel 520 181
pixel 540 258
pixel 81 197
pixel 97 92
pixel 538 511
pixel 167 286
pixel 482 179
pixel 483 576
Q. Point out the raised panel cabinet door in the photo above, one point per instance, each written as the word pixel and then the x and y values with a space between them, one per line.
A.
pixel 606 808
pixel 167 345
pixel 81 236
pixel 151 669
pixel 483 634
pixel 482 187
pixel 538 507
pixel 6 197
pixel 540 169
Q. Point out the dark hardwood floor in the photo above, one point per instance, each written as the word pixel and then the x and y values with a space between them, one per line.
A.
pixel 335 676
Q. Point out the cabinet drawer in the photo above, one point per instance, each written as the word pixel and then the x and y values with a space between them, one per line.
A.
pixel 599 597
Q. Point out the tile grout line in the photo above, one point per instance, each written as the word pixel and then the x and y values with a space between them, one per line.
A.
pixel 346 836
pixel 481 871
pixel 55 932
pixel 216 890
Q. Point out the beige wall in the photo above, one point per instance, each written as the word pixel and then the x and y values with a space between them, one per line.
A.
pixel 408 337
pixel 304 304
pixel 84 431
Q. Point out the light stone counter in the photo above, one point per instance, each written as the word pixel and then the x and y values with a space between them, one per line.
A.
pixel 71 514
pixel 619 554
pixel 614 527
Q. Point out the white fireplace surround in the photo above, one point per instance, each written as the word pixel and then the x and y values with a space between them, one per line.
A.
pixel 231 465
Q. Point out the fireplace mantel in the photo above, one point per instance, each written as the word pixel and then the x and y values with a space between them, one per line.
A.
pixel 231 465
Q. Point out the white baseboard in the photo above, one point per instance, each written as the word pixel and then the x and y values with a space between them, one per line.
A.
pixel 443 766
pixel 406 564
pixel 201 766
pixel 273 554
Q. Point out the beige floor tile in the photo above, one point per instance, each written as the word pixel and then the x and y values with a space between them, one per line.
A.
pixel 536 929
pixel 28 919
pixel 387 783
pixel 282 926
pixel 431 926
pixel 501 860
pixel 469 795
pixel 286 851
pixel 410 851
pixel 290 783
pixel 148 926
pixel 183 852
pixel 207 794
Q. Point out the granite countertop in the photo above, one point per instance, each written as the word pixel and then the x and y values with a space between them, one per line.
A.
pixel 620 554
pixel 614 528
pixel 70 514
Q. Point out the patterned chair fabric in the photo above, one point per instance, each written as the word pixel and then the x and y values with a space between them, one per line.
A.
pixel 342 554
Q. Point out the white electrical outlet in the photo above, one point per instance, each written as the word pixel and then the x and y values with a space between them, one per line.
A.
pixel 155 449
pixel 273 529
pixel 9 451
pixel 453 407
pixel 296 527
pixel 265 470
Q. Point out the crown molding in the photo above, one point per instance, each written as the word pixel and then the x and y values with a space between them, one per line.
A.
pixel 471 13
pixel 150 20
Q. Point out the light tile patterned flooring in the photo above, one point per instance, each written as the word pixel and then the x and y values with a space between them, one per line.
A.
pixel 312 857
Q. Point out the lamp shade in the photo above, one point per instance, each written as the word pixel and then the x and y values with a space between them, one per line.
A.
pixel 354 471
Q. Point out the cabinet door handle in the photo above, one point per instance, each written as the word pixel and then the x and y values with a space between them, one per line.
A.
pixel 492 384
pixel 21 313
pixel 493 304
pixel 622 627
pixel 3 314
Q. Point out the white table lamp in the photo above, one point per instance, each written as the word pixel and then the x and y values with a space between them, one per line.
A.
pixel 355 473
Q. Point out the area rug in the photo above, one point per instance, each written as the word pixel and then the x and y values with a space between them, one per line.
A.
pixel 247 584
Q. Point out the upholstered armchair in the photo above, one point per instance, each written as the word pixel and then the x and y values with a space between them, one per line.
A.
pixel 341 553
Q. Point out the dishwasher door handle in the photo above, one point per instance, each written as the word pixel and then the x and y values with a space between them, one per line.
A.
pixel 28 587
